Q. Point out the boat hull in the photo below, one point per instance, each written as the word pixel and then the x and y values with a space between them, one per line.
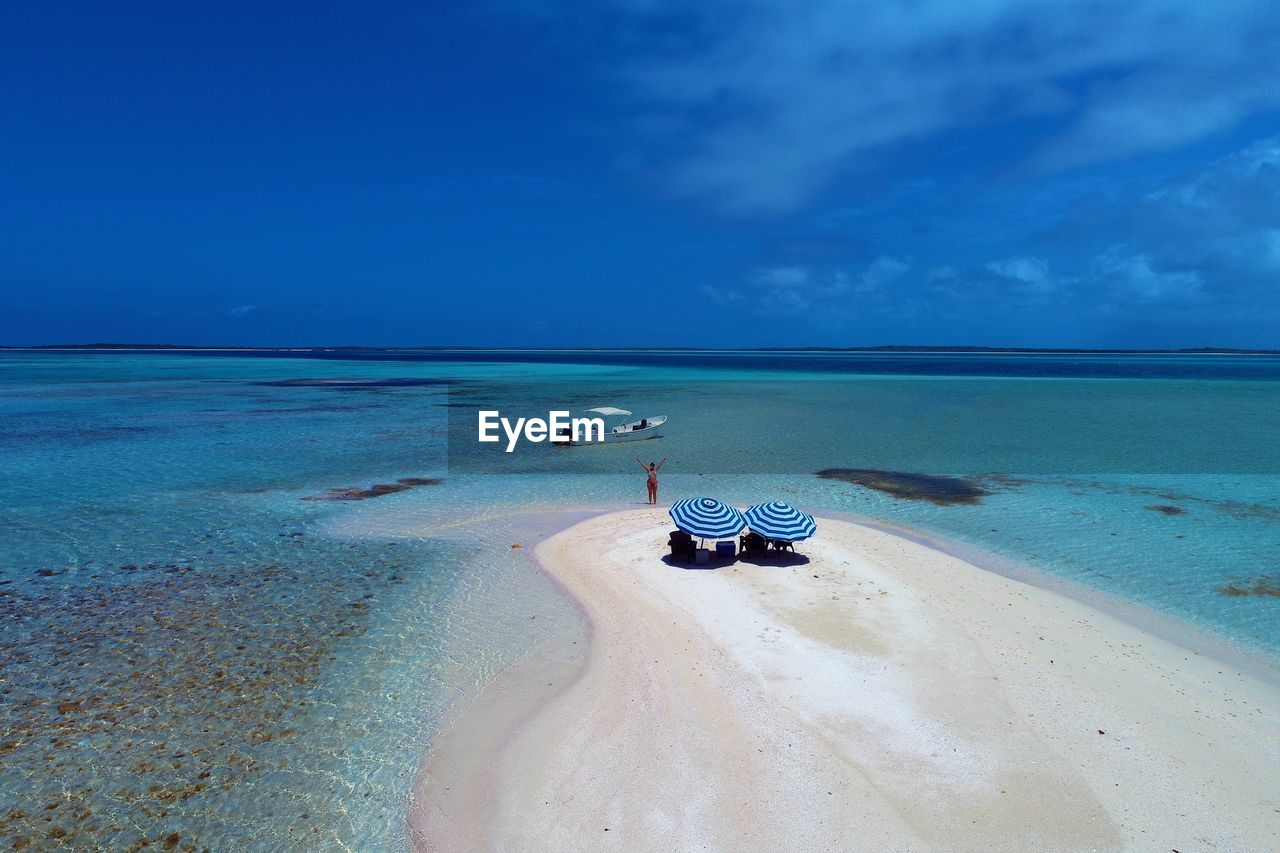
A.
pixel 652 429
pixel 633 435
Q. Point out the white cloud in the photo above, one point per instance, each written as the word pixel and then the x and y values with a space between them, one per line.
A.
pixel 721 295
pixel 1209 239
pixel 883 271
pixel 1200 251
pixel 1136 277
pixel 1031 274
pixel 1212 235
pixel 784 301
pixel 760 104
pixel 1271 250
pixel 241 310
pixel 782 277
pixel 1118 277
pixel 832 296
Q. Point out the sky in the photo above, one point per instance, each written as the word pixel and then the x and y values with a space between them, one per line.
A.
pixel 641 172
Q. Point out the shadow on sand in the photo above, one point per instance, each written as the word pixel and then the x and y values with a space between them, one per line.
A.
pixel 773 559
pixel 779 559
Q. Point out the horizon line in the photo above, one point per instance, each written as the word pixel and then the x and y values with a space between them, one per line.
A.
pixel 878 348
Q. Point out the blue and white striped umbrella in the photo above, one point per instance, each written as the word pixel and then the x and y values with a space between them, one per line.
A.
pixel 776 520
pixel 707 518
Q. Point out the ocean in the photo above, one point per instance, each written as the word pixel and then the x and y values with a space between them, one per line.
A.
pixel 240 589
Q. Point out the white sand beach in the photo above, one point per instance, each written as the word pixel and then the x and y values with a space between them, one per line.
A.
pixel 882 696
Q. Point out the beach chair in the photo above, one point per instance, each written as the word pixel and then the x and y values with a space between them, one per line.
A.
pixel 782 545
pixel 724 551
pixel 682 547
pixel 751 544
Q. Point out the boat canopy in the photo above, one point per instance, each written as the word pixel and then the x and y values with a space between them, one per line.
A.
pixel 609 411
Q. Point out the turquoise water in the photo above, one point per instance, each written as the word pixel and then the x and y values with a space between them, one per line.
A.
pixel 196 645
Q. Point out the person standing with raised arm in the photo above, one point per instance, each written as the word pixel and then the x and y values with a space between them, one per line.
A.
pixel 652 470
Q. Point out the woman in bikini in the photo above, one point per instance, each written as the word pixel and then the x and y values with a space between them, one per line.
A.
pixel 652 470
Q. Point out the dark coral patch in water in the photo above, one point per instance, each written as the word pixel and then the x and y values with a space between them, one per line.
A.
pixel 905 484
pixel 407 382
pixel 1268 585
pixel 1235 508
pixel 146 697
pixel 998 480
pixel 1242 510
pixel 377 490
pixel 1167 509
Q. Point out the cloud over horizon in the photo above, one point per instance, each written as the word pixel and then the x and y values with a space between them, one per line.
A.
pixel 822 172
pixel 757 107
pixel 1204 245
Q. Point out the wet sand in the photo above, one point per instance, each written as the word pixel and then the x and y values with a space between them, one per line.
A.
pixel 881 695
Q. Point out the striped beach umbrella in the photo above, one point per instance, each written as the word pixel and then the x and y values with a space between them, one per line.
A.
pixel 707 518
pixel 776 520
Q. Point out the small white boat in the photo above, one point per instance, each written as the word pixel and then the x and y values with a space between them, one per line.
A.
pixel 625 430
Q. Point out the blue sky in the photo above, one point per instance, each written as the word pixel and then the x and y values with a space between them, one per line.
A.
pixel 641 172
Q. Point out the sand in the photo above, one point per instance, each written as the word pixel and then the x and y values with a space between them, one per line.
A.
pixel 883 695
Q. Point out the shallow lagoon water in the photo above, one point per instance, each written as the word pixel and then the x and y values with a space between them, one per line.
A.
pixel 196 655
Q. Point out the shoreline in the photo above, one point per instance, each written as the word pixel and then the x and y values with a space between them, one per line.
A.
pixel 1177 631
pixel 458 773
pixel 496 752
pixel 464 750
